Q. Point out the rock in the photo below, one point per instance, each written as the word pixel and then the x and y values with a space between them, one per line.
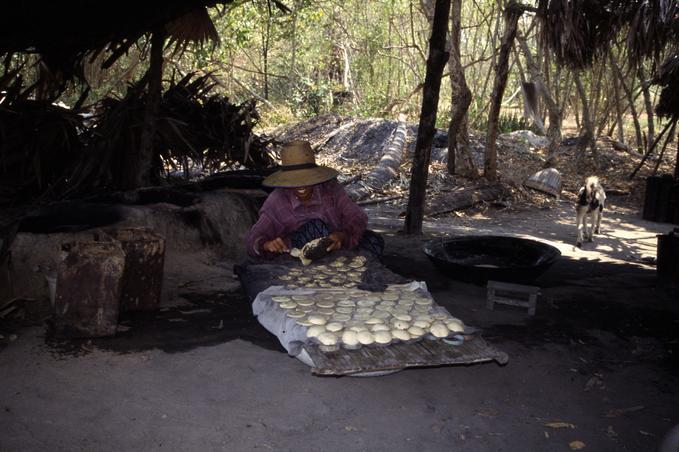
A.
pixel 547 181
pixel 526 137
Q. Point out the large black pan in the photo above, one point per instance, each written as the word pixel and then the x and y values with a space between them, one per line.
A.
pixel 478 259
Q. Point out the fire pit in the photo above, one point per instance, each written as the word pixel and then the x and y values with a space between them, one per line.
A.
pixel 478 259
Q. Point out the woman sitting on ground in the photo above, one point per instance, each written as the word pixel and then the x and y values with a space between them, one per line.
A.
pixel 308 203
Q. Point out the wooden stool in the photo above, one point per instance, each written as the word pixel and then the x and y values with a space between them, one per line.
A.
pixel 512 294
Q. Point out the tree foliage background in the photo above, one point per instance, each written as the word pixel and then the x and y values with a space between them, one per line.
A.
pixel 367 58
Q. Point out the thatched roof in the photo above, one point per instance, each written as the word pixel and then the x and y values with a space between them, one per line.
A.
pixel 64 33
pixel 668 78
pixel 578 31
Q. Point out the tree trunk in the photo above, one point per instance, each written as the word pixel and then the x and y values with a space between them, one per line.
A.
pixel 293 52
pixel 458 139
pixel 587 135
pixel 553 109
pixel 265 52
pixel 427 127
pixel 554 138
pixel 630 100
pixel 389 50
pixel 511 15
pixel 668 140
pixel 618 110
pixel 595 98
pixel 347 80
pixel 648 103
pixel 140 161
pixel 466 197
pixel 652 146
pixel 428 9
pixel 531 107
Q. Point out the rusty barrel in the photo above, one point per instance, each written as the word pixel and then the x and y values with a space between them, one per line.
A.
pixel 89 276
pixel 144 262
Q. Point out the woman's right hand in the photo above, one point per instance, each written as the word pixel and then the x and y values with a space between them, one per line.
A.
pixel 276 245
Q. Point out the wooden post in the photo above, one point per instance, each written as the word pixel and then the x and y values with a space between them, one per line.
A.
pixel 425 133
pixel 512 13
pixel 139 174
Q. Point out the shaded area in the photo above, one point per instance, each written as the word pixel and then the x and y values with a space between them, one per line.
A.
pixel 195 133
pixel 64 33
pixel 623 330
pixel 108 208
pixel 208 319
pixel 70 217
pixel 614 310
pixel 567 270
pixel 564 271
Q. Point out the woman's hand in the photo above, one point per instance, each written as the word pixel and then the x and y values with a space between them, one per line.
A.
pixel 276 245
pixel 338 238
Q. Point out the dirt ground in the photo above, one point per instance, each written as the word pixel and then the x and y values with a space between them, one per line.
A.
pixel 597 368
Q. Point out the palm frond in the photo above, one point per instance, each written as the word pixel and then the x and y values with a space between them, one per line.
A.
pixel 578 31
pixel 195 26
pixel 40 141
pixel 655 23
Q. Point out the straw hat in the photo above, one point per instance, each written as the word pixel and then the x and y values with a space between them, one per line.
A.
pixel 298 168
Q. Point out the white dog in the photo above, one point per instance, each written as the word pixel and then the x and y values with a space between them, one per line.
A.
pixel 591 199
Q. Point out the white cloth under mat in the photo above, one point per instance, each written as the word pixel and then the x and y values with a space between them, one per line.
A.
pixel 290 334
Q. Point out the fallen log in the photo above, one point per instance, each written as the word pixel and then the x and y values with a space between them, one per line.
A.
pixel 464 198
pixel 387 168
pixel 379 200
pixel 352 179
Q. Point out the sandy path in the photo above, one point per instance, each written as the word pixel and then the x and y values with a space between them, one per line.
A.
pixel 625 237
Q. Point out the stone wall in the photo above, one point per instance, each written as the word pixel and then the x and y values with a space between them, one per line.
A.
pixel 203 239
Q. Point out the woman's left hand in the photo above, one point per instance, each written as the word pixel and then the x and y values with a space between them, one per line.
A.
pixel 338 238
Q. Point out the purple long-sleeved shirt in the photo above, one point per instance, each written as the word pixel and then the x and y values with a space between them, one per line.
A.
pixel 282 214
